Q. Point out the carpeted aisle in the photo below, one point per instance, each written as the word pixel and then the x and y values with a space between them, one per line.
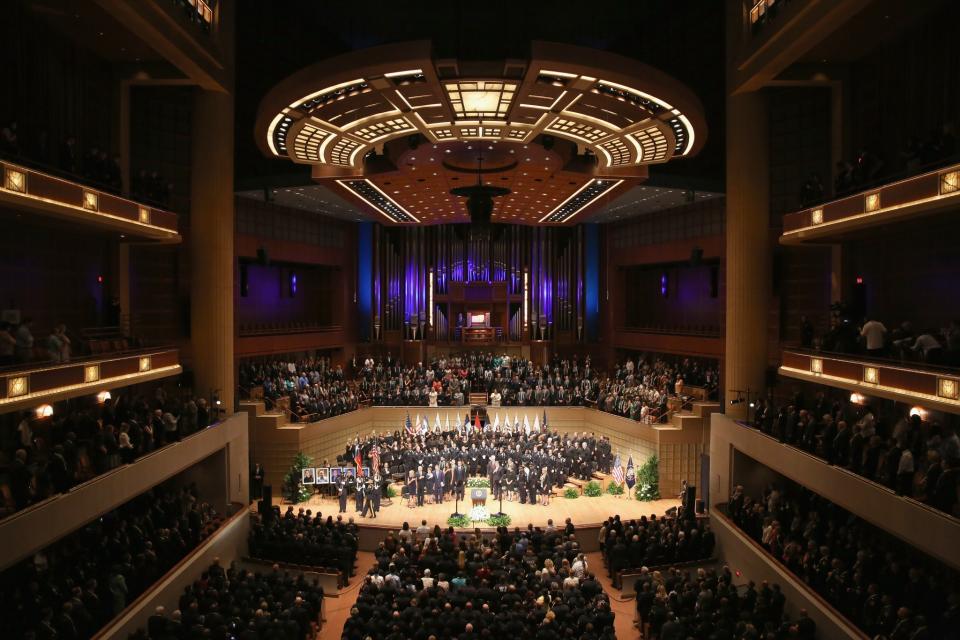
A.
pixel 624 610
pixel 338 609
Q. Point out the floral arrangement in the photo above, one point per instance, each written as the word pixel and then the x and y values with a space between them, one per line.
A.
pixel 615 489
pixel 478 483
pixel 593 489
pixel 391 492
pixel 499 521
pixel 571 494
pixel 648 480
pixel 458 522
pixel 479 514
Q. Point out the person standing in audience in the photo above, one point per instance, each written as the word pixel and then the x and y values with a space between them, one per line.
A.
pixel 24 338
pixel 58 344
pixel 8 344
pixel 874 333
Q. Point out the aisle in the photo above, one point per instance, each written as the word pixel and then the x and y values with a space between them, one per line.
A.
pixel 338 609
pixel 624 610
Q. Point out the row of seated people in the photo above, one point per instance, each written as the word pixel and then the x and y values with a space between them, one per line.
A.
pixel 872 338
pixel 306 539
pixel 678 604
pixel 915 457
pixel 19 346
pixel 74 587
pixel 93 165
pixel 653 541
pixel 881 585
pixel 309 388
pixel 238 603
pixel 521 583
pixel 50 455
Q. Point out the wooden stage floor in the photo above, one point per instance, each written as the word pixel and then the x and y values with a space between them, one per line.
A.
pixel 585 512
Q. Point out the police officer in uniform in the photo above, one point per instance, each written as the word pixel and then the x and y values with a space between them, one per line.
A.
pixel 342 494
pixel 421 485
pixel 376 493
pixel 459 479
pixel 359 490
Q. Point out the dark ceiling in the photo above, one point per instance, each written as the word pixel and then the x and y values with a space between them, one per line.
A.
pixel 275 39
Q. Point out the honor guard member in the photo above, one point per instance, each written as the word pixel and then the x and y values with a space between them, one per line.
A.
pixel 534 485
pixel 342 494
pixel 421 485
pixel 437 486
pixel 367 497
pixel 359 492
pixel 376 493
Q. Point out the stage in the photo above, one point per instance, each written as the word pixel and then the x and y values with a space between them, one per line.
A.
pixel 585 512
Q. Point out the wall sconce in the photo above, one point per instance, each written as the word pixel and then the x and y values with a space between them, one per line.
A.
pixel 816 216
pixel 871 202
pixel 103 396
pixel 144 215
pixel 44 411
pixel 871 375
pixel 816 366
pixel 948 388
pixel 91 373
pixel 949 182
pixel 14 180
pixel 90 201
pixel 145 364
pixel 18 386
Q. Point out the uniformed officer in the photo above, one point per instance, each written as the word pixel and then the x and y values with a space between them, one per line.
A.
pixel 342 494
pixel 358 492
pixel 421 485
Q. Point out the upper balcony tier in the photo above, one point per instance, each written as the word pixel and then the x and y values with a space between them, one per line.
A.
pixel 924 194
pixel 24 189
pixel 933 387
pixel 29 385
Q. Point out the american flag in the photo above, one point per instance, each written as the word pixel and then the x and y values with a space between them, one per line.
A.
pixel 618 470
pixel 375 458
pixel 409 425
pixel 358 457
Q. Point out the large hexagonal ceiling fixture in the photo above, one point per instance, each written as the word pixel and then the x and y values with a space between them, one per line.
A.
pixel 397 130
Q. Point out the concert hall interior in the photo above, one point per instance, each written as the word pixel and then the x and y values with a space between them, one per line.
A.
pixel 608 321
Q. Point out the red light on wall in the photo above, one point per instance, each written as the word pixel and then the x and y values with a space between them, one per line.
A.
pixel 859 280
pixel 100 279
pixel 738 573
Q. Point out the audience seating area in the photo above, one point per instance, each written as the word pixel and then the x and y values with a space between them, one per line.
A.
pixel 309 542
pixel 915 457
pixel 77 585
pixel 880 584
pixel 238 603
pixel 50 455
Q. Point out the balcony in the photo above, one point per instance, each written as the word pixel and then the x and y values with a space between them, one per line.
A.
pixel 923 194
pixel 268 338
pixel 698 341
pixel 934 388
pixel 30 385
pixel 25 189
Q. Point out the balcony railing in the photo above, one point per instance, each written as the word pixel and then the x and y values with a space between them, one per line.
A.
pixel 935 388
pixel 924 193
pixel 29 385
pixel 25 188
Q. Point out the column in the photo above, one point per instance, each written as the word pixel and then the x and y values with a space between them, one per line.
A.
pixel 748 259
pixel 211 236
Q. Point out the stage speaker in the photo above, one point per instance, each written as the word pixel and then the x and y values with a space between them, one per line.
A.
pixel 265 507
pixel 691 498
pixel 701 507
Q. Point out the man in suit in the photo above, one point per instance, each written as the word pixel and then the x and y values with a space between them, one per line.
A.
pixel 459 479
pixel 342 494
pixel 437 485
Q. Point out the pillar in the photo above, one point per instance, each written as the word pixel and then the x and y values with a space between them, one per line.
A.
pixel 211 236
pixel 748 260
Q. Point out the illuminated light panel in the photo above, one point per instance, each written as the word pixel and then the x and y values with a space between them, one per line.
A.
pixel 652 142
pixel 871 375
pixel 816 365
pixel 517 134
pixel 558 74
pixel 18 386
pixel 618 150
pixel 402 74
pixel 90 201
pixel 328 93
pixel 14 180
pixel 91 373
pixel 871 202
pixel 343 150
pixel 378 130
pixel 680 134
pixel 480 98
pixel 948 388
pixel 949 182
pixel 44 411
pixel 546 108
pixel 372 195
pixel 145 364
pixel 442 134
pixel 580 130
pixel 144 215
pixel 309 141
pixel 816 216
pixel 646 100
pixel 115 380
pixel 277 133
pixel 689 127
pixel 581 199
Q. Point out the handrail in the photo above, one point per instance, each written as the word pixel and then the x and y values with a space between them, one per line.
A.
pixel 921 367
pixel 720 513
pixel 912 501
pixel 35 366
pixel 710 332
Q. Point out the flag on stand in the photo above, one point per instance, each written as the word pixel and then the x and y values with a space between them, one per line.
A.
pixel 631 474
pixel 516 423
pixel 496 422
pixel 357 457
pixel 436 425
pixel 375 458
pixel 618 470
pixel 425 426
pixel 409 425
pixel 416 423
pixel 447 426
pixel 476 422
pixel 526 424
pixel 536 423
pixel 543 423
